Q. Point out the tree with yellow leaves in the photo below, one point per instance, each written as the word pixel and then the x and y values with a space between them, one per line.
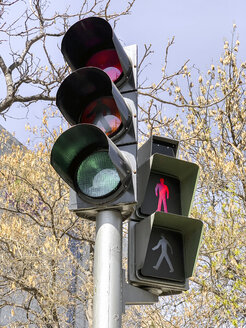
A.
pixel 45 272
pixel 210 122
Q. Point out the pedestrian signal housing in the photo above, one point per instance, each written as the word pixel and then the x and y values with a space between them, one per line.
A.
pixel 163 250
pixel 163 241
pixel 165 183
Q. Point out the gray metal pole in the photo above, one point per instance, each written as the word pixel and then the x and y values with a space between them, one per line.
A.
pixel 107 302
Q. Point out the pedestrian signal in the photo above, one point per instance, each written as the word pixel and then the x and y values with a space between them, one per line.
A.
pixel 163 241
pixel 164 255
pixel 162 195
pixel 163 250
pixel 162 192
pixel 165 183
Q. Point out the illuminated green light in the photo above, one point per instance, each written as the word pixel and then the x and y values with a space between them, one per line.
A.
pixel 97 176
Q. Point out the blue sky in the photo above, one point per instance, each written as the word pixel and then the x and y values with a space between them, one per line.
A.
pixel 200 28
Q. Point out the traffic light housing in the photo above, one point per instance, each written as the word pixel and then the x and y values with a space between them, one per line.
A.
pixel 163 240
pixel 88 95
pixel 91 42
pixel 96 157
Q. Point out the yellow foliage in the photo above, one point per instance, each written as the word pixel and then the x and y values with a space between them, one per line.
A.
pixel 210 123
pixel 35 251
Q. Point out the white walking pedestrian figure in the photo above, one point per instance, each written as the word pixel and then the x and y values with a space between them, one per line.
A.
pixel 163 243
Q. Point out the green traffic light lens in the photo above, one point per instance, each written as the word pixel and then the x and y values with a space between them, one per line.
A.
pixel 97 176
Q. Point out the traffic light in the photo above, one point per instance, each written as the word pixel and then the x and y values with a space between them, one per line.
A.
pixel 91 42
pixel 96 157
pixel 163 240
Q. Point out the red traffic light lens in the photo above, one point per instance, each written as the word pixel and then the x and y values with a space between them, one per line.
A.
pixel 108 61
pixel 103 113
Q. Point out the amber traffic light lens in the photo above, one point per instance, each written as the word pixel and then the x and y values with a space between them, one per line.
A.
pixel 103 113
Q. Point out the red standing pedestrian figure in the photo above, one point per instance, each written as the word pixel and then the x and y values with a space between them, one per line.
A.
pixel 163 195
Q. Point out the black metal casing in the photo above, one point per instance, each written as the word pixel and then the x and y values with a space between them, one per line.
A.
pixel 83 86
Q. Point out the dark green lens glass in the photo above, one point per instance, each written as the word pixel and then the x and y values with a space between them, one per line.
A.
pixel 97 176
